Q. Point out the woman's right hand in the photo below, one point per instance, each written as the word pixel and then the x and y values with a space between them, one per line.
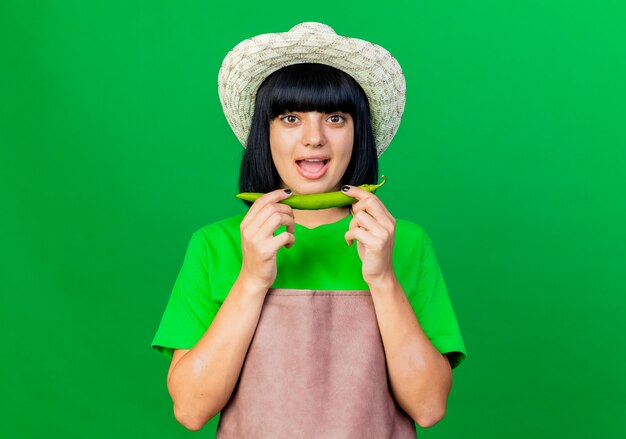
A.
pixel 258 243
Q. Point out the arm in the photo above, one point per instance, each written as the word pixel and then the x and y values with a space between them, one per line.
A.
pixel 420 376
pixel 201 380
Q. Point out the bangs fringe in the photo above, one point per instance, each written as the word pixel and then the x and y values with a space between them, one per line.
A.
pixel 312 87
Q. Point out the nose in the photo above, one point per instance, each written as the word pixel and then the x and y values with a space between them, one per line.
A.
pixel 313 131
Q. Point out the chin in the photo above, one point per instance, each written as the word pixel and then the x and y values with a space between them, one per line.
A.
pixel 312 187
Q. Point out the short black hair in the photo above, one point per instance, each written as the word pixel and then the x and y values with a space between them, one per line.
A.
pixel 307 87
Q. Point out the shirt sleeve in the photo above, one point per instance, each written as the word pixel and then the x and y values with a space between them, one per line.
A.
pixel 433 308
pixel 190 310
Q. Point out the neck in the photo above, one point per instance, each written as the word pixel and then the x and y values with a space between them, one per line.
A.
pixel 314 218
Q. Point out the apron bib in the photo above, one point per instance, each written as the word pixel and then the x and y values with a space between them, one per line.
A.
pixel 315 368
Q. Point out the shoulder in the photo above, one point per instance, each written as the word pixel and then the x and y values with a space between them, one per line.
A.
pixel 222 228
pixel 411 232
pixel 412 240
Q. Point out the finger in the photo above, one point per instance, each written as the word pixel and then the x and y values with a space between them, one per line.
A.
pixel 274 221
pixel 364 237
pixel 262 201
pixel 353 225
pixel 257 220
pixel 283 208
pixel 366 221
pixel 273 197
pixel 356 192
pixel 282 239
pixel 362 194
pixel 375 208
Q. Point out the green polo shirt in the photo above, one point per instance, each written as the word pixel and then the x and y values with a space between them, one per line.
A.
pixel 320 259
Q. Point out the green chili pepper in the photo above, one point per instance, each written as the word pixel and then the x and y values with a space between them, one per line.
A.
pixel 316 201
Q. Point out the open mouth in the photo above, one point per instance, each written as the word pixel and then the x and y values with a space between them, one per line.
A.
pixel 312 168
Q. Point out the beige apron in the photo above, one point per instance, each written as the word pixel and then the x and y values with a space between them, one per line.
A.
pixel 315 369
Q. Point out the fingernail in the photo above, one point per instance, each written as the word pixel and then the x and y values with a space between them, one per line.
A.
pixel 345 188
pixel 287 191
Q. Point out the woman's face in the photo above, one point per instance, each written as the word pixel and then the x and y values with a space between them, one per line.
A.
pixel 297 136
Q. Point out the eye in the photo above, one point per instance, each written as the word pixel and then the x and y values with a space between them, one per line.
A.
pixel 289 118
pixel 336 119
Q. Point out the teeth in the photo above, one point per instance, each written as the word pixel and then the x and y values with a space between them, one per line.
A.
pixel 313 160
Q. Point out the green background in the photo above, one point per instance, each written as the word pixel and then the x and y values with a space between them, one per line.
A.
pixel 511 154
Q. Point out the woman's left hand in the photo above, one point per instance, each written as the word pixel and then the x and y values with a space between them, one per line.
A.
pixel 374 229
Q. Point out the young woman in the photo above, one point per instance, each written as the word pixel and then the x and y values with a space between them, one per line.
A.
pixel 330 323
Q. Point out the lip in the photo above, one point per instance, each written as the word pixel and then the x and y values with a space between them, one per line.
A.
pixel 311 157
pixel 313 175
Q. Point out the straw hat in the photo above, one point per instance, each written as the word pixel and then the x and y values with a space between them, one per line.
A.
pixel 247 65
